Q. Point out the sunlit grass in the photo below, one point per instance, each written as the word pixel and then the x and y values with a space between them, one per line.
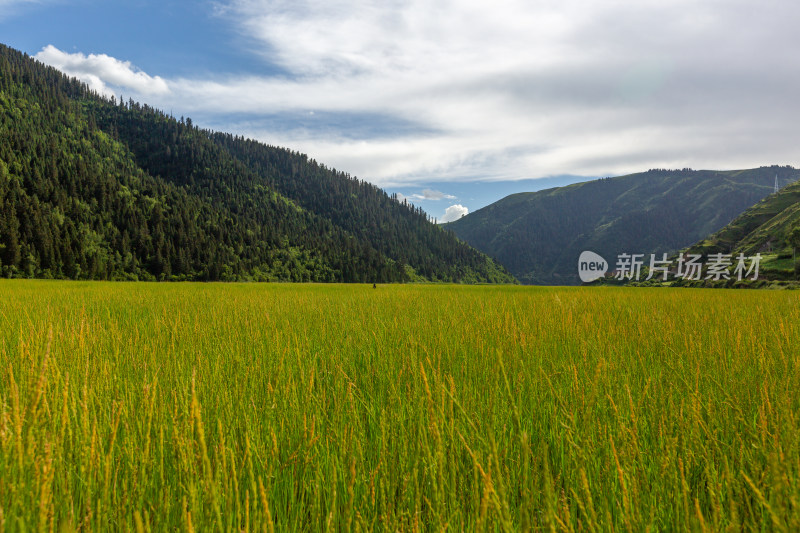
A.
pixel 260 406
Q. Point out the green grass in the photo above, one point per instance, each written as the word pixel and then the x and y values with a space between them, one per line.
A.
pixel 286 407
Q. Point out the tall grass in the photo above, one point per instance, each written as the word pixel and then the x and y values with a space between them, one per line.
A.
pixel 203 407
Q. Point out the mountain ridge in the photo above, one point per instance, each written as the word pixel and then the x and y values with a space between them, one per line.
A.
pixel 538 236
pixel 94 188
pixel 770 228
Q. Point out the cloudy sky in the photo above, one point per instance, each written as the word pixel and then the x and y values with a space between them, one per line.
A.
pixel 452 104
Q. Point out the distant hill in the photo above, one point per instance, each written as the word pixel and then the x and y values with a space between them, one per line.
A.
pixel 771 228
pixel 92 188
pixel 538 236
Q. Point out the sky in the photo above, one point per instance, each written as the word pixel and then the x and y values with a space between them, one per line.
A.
pixel 450 104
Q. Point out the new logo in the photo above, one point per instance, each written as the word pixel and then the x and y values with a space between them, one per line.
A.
pixel 591 266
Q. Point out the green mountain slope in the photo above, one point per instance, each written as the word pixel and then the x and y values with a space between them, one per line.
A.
pixel 98 189
pixel 538 236
pixel 771 228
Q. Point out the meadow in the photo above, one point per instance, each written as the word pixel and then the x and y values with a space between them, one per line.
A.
pixel 271 407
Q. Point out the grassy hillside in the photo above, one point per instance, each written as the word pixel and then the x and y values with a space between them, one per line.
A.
pixel 771 228
pixel 539 236
pixel 98 189
pixel 404 408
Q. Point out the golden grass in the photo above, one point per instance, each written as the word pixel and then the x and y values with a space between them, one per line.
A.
pixel 202 407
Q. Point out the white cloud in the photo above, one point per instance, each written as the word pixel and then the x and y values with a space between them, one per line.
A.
pixel 430 194
pixel 425 195
pixel 103 73
pixel 520 89
pixel 454 212
pixel 505 90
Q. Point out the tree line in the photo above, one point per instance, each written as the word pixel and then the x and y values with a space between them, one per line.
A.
pixel 96 188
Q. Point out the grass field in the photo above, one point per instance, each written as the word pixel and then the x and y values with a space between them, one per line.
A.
pixel 287 407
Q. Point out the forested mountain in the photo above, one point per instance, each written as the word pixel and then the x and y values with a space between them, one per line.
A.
pixel 538 236
pixel 92 188
pixel 770 228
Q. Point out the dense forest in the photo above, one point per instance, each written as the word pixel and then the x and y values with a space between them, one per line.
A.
pixel 96 188
pixel 538 236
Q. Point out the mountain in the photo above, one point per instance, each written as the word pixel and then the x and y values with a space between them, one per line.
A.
pixel 770 228
pixel 93 188
pixel 538 236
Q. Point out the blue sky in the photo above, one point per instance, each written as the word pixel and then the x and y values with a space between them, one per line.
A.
pixel 452 104
pixel 167 38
